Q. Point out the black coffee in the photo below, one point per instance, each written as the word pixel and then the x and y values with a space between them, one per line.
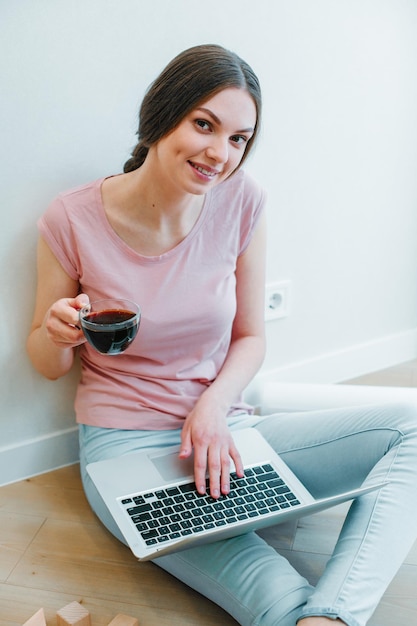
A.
pixel 106 331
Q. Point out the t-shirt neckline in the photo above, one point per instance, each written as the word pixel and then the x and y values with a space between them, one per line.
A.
pixel 165 256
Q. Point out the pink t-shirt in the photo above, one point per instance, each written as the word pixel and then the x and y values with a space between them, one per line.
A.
pixel 186 295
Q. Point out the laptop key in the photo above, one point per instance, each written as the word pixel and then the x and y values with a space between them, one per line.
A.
pixel 186 524
pixel 281 490
pixel 136 510
pixel 186 488
pixel 153 523
pixel 149 534
pixel 174 528
pixel 268 476
pixel 175 536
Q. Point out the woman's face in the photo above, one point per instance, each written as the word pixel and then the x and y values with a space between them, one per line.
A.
pixel 209 143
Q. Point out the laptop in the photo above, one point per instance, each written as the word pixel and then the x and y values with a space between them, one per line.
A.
pixel 152 497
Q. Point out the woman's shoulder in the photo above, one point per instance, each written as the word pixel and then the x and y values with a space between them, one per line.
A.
pixel 243 182
pixel 73 195
pixel 240 190
pixel 76 201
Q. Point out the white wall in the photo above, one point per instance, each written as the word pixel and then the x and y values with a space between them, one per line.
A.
pixel 338 156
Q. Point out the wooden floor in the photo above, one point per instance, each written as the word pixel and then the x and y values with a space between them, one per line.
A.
pixel 53 551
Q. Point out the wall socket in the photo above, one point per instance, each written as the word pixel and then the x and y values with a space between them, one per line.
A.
pixel 277 300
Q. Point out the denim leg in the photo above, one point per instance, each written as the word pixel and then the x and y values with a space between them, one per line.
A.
pixel 331 451
pixel 246 577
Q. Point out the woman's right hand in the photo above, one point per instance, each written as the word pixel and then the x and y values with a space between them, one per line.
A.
pixel 62 322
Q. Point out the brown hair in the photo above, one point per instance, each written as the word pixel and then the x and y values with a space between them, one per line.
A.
pixel 190 78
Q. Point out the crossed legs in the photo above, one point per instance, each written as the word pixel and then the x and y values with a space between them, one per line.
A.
pixel 330 451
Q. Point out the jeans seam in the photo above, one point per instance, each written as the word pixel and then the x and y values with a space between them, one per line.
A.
pixel 343 588
pixel 317 444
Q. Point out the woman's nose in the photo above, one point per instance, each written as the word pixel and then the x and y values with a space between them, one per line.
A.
pixel 218 149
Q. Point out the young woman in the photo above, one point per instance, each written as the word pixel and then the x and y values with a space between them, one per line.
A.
pixel 182 232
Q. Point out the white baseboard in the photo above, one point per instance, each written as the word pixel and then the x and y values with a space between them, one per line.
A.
pixel 36 456
pixel 341 365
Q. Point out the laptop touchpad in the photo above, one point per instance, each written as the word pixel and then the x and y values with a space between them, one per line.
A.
pixel 173 468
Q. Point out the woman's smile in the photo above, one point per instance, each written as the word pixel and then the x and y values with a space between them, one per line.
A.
pixel 205 170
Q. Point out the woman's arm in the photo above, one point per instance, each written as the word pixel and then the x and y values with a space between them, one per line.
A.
pixel 205 428
pixel 53 335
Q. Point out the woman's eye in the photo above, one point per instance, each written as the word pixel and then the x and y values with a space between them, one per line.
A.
pixel 203 124
pixel 240 139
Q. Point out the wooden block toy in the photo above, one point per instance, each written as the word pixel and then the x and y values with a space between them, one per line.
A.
pixel 36 620
pixel 124 620
pixel 73 615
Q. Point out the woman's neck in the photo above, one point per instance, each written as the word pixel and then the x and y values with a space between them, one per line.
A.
pixel 157 201
pixel 147 217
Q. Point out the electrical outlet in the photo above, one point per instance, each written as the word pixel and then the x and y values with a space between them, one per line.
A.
pixel 277 300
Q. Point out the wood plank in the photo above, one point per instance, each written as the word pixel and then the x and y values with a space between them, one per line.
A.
pixel 44 495
pixel 17 532
pixel 65 478
pixel 124 620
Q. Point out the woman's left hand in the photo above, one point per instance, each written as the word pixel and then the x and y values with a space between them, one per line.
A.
pixel 206 431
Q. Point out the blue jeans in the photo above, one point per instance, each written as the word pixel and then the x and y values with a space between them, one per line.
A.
pixel 330 451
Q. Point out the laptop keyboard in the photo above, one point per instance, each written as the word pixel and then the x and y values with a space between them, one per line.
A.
pixel 178 510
